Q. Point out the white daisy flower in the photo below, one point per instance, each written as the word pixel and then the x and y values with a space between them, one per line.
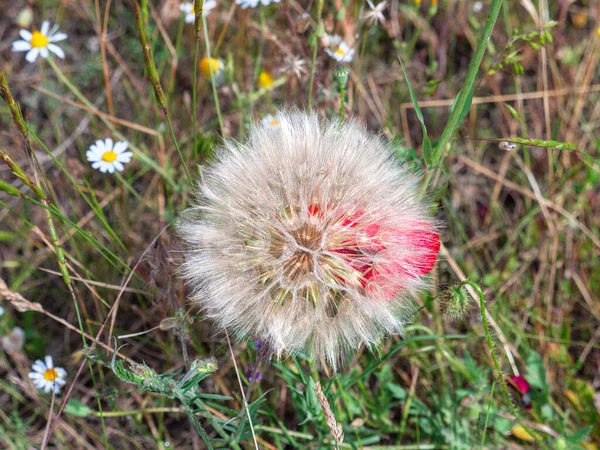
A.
pixel 188 9
pixel 339 50
pixel 40 42
pixel 47 377
pixel 254 3
pixel 107 158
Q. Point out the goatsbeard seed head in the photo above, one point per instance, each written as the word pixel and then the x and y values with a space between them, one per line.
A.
pixel 308 236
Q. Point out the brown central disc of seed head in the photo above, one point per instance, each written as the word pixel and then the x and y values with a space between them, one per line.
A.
pixel 307 240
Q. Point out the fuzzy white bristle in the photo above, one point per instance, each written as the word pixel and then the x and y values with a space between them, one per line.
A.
pixel 308 236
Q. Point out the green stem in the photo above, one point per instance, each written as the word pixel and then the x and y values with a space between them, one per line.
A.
pixel 194 95
pixel 342 101
pixel 136 411
pixel 212 79
pixel 499 373
pixel 465 94
pixel 198 23
pixel 155 79
pixel 318 33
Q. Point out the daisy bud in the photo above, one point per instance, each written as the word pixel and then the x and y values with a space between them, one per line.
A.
pixel 340 75
pixel 309 236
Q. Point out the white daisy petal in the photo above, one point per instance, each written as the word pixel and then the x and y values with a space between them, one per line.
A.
pixel 120 147
pixel 110 168
pixel 109 144
pixel 49 362
pixel 53 30
pixel 39 366
pixel 47 388
pixel 125 157
pixel 118 166
pixel 44 52
pixel 32 55
pixel 103 167
pixel 98 164
pixel 56 50
pixel 100 145
pixel 21 46
pixel 26 35
pixel 45 28
pixel 58 37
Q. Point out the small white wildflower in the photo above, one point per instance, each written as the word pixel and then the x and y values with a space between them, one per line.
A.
pixel 477 7
pixel 13 342
pixel 376 12
pixel 40 42
pixel 108 158
pixel 309 237
pixel 294 66
pixel 254 3
pixel 188 9
pixel 270 120
pixel 2 311
pixel 338 49
pixel 47 377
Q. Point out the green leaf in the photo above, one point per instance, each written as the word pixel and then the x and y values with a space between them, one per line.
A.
pixel 77 408
pixel 579 436
pixel 536 373
pixel 466 106
pixel 213 397
pixel 427 149
pixel 9 189
pixel 397 391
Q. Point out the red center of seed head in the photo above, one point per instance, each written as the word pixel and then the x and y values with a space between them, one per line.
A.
pixel 383 277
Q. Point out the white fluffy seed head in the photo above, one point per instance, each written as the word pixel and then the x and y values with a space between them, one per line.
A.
pixel 308 236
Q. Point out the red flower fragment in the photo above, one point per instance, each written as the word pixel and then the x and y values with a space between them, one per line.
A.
pixel 384 277
pixel 522 386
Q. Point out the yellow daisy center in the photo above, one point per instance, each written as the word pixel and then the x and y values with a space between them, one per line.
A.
pixel 50 374
pixel 265 80
pixel 109 156
pixel 38 40
pixel 209 64
pixel 340 51
pixel 274 122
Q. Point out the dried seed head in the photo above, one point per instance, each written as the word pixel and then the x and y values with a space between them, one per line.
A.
pixel 308 236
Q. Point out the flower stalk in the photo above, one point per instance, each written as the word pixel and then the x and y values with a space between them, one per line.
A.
pixel 465 96
pixel 154 78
